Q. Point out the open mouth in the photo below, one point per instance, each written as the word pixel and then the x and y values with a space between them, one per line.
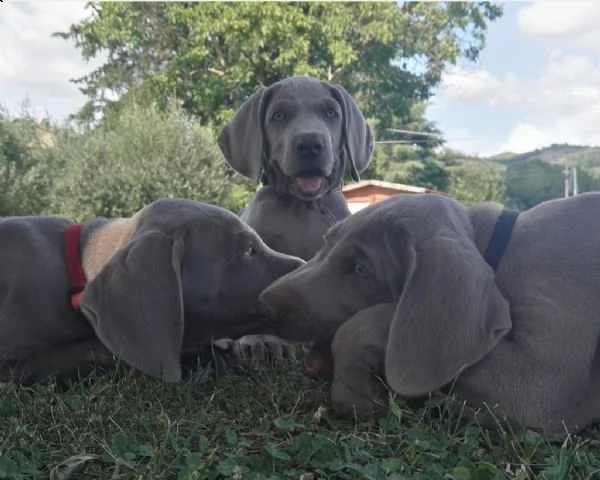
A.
pixel 310 183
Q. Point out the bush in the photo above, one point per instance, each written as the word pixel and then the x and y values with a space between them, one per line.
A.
pixel 27 164
pixel 142 155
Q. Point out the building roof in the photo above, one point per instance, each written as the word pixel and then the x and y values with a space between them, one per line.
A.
pixel 392 186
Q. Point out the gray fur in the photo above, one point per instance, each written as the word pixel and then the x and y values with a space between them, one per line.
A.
pixel 271 137
pixel 426 312
pixel 179 280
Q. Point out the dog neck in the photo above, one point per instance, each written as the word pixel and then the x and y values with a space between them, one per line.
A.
pixel 492 228
pixel 101 239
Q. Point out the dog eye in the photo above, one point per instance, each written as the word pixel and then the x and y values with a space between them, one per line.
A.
pixel 277 116
pixel 361 270
pixel 331 113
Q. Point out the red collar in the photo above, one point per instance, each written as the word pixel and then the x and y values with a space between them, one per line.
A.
pixel 74 267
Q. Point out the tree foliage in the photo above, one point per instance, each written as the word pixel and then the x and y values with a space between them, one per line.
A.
pixel 211 55
pixel 531 182
pixel 144 155
pixel 475 180
pixel 27 164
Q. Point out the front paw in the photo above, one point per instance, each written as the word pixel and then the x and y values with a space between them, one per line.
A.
pixel 256 349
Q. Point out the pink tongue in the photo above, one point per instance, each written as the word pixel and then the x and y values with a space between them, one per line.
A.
pixel 309 184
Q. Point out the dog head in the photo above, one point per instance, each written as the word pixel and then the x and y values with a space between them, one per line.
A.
pixel 189 272
pixel 299 133
pixel 417 251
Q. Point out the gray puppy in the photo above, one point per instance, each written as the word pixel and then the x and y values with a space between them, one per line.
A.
pixel 404 290
pixel 159 285
pixel 297 136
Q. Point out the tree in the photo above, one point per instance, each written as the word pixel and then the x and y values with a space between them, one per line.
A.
pixel 145 154
pixel 27 164
pixel 211 55
pixel 411 158
pixel 475 180
pixel 532 182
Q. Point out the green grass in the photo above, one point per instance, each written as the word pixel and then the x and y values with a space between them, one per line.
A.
pixel 268 423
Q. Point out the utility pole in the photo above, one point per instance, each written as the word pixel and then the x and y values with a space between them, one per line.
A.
pixel 567 180
pixel 575 186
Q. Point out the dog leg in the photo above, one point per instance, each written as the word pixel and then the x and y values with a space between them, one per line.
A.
pixel 68 362
pixel 358 350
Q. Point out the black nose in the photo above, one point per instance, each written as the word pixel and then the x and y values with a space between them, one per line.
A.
pixel 309 145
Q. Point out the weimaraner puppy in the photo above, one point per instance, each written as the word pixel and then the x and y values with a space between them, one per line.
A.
pixel 151 289
pixel 407 290
pixel 296 137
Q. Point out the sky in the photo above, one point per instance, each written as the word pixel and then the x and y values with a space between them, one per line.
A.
pixel 536 83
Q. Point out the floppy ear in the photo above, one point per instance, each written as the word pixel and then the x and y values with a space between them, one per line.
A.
pixel 358 139
pixel 449 316
pixel 241 139
pixel 135 305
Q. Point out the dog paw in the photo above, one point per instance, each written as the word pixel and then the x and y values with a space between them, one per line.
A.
pixel 255 349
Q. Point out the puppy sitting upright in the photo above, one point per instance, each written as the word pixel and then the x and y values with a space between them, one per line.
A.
pixel 173 277
pixel 296 137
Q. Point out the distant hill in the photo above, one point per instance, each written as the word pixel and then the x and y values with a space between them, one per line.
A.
pixel 558 154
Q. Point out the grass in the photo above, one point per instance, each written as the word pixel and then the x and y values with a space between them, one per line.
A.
pixel 267 423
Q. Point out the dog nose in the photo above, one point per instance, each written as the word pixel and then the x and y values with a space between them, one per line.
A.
pixel 309 145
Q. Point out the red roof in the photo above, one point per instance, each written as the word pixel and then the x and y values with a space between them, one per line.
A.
pixel 392 186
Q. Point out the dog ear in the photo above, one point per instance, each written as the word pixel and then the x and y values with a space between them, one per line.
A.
pixel 450 315
pixel 241 139
pixel 135 305
pixel 358 138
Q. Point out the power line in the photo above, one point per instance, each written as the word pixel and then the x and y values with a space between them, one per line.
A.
pixel 413 132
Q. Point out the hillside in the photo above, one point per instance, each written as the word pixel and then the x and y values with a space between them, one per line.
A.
pixel 586 157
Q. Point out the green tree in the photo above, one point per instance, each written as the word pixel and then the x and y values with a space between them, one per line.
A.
pixel 27 164
pixel 586 181
pixel 145 154
pixel 474 180
pixel 211 55
pixel 532 182
pixel 411 158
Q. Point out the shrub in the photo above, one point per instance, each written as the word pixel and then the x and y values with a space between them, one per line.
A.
pixel 141 155
pixel 27 164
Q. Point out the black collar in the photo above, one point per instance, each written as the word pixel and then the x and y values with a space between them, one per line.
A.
pixel 500 237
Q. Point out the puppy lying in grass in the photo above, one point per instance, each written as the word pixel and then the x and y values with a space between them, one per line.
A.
pixel 150 290
pixel 500 308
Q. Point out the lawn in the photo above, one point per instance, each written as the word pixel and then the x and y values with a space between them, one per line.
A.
pixel 266 423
